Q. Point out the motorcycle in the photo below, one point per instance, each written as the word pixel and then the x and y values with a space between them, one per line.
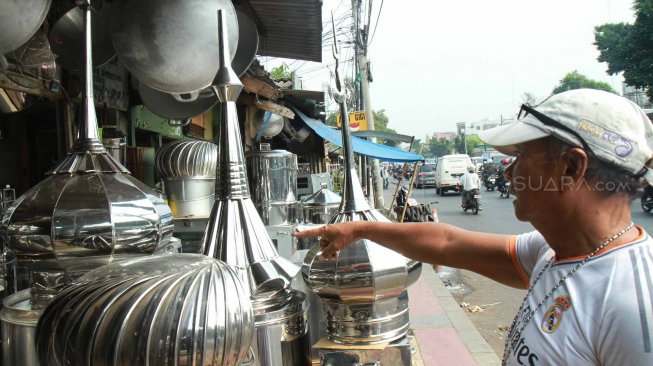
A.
pixel 415 212
pixel 473 201
pixel 504 189
pixel 489 182
pixel 647 199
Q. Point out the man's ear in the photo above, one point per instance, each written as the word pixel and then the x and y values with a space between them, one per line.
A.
pixel 575 162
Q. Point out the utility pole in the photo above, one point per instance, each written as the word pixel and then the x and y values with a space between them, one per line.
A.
pixel 360 39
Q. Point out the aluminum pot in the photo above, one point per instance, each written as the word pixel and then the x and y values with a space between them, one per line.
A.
pixel 172 45
pixel 19 20
pixel 19 330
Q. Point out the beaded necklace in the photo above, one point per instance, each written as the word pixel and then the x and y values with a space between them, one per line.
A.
pixel 518 325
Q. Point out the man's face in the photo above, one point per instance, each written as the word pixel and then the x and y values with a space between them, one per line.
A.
pixel 534 182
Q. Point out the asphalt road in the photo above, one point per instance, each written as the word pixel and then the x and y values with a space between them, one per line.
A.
pixel 491 306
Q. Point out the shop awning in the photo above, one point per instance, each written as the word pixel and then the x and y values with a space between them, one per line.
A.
pixel 363 147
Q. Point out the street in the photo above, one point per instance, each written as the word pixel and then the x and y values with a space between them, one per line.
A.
pixel 491 306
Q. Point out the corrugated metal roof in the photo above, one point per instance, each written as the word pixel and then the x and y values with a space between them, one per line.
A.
pixel 287 28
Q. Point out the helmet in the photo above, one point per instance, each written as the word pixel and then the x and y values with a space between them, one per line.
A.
pixel 505 161
pixel 470 169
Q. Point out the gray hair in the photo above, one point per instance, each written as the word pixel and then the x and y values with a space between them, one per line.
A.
pixel 613 178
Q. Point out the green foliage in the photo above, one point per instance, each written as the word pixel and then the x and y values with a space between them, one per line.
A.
pixel 575 80
pixel 280 72
pixel 416 146
pixel 440 147
pixel 472 142
pixel 381 124
pixel 628 48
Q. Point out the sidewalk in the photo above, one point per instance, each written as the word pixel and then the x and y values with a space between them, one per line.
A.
pixel 443 332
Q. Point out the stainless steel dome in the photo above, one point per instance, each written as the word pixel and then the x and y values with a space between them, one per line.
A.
pixel 178 309
pixel 88 206
pixel 363 290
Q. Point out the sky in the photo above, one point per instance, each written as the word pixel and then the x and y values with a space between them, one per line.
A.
pixel 435 63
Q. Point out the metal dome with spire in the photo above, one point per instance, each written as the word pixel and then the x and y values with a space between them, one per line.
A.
pixel 363 290
pixel 88 206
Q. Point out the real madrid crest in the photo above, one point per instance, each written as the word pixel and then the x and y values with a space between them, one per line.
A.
pixel 553 316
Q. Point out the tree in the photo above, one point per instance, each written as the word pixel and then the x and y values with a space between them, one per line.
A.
pixel 440 147
pixel 381 124
pixel 472 142
pixel 575 80
pixel 628 48
pixel 280 72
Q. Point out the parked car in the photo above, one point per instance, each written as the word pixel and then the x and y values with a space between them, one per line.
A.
pixel 426 176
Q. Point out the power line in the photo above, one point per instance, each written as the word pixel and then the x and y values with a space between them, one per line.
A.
pixel 376 25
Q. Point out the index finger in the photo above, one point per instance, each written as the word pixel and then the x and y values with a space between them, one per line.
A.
pixel 310 233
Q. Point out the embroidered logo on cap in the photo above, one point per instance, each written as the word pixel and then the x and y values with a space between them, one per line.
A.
pixel 622 147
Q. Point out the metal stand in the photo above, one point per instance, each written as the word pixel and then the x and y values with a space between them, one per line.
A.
pixel 397 353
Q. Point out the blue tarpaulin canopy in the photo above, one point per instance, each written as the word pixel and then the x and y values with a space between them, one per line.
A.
pixel 363 147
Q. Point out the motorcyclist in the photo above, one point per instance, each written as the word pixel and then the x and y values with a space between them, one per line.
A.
pixel 489 169
pixel 501 179
pixel 469 182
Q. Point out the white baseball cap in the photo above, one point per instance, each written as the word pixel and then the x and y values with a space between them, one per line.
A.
pixel 613 128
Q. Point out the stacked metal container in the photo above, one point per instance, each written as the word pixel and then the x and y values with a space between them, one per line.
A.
pixel 236 235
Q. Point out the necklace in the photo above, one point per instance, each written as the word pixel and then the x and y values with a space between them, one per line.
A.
pixel 520 321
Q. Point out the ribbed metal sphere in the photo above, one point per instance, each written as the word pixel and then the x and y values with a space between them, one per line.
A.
pixel 185 159
pixel 181 309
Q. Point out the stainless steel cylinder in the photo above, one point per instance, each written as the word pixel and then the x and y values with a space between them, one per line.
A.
pixel 117 148
pixel 282 331
pixel 273 185
pixel 190 197
pixel 18 330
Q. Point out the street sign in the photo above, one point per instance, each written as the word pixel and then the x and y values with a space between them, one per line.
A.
pixel 357 121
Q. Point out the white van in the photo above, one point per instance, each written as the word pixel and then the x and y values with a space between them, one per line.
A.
pixel 449 170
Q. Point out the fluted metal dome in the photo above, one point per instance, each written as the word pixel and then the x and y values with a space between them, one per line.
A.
pixel 363 290
pixel 181 309
pixel 184 159
pixel 88 206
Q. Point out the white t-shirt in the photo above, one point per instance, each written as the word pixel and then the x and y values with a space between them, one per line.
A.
pixel 602 315
pixel 470 181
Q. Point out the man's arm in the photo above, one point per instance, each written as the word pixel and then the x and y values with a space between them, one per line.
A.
pixel 436 243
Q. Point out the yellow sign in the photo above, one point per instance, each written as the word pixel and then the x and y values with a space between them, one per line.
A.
pixel 357 121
